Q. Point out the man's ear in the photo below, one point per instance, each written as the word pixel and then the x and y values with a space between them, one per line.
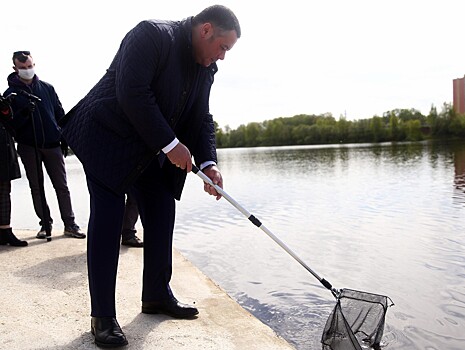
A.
pixel 206 31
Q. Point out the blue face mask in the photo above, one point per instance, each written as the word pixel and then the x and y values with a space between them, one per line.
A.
pixel 26 74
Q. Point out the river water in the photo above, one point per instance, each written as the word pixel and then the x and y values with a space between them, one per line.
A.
pixel 381 218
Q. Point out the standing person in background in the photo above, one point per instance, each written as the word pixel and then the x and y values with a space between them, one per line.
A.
pixel 9 170
pixel 35 124
pixel 131 215
pixel 138 128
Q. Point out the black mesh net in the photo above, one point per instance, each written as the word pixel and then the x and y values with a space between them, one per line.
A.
pixel 358 318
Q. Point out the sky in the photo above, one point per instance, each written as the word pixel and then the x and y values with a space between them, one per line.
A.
pixel 354 59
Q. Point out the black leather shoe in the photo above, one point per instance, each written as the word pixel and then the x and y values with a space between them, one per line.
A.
pixel 133 242
pixel 7 237
pixel 171 307
pixel 107 332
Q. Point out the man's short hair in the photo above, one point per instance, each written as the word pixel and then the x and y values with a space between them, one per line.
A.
pixel 221 17
pixel 21 56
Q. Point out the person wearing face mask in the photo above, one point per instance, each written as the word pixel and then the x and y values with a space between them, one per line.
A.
pixel 36 110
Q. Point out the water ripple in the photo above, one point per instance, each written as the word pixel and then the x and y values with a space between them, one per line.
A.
pixel 386 218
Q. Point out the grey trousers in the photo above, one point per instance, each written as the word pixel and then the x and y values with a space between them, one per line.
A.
pixel 131 215
pixel 54 163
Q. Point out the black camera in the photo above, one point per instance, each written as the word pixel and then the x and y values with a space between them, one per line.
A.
pixel 5 109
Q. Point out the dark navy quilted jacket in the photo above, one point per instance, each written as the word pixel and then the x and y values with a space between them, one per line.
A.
pixel 152 92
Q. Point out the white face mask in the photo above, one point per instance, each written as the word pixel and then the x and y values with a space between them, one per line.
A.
pixel 26 74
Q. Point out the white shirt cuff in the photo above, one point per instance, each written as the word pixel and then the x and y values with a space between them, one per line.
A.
pixel 207 163
pixel 170 146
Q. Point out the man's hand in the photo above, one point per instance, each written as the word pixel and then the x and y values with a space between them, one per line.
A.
pixel 214 174
pixel 181 157
pixel 64 148
pixel 5 110
pixel 29 109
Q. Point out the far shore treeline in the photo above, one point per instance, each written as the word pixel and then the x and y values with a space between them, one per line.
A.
pixel 303 129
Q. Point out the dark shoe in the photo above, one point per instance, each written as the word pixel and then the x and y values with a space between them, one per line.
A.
pixel 107 332
pixel 133 242
pixel 171 307
pixel 43 233
pixel 74 231
pixel 7 237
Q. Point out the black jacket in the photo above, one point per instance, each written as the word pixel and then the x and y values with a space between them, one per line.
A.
pixel 47 112
pixel 9 166
pixel 152 92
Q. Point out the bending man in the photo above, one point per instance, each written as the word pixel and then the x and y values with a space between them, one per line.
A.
pixel 139 126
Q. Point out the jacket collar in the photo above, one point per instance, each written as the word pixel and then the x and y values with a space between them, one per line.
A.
pixel 186 25
pixel 15 81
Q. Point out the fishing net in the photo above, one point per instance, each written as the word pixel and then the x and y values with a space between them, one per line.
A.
pixel 357 320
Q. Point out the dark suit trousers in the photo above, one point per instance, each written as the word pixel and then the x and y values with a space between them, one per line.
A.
pixel 157 213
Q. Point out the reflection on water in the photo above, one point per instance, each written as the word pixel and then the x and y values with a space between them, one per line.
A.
pixel 459 165
pixel 386 219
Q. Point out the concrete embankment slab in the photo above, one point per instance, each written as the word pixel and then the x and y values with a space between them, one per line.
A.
pixel 44 303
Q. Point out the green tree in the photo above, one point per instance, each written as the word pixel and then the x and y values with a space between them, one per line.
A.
pixel 377 129
pixel 303 129
pixel 237 137
pixel 394 130
pixel 253 133
pixel 343 129
pixel 412 130
pixel 433 120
